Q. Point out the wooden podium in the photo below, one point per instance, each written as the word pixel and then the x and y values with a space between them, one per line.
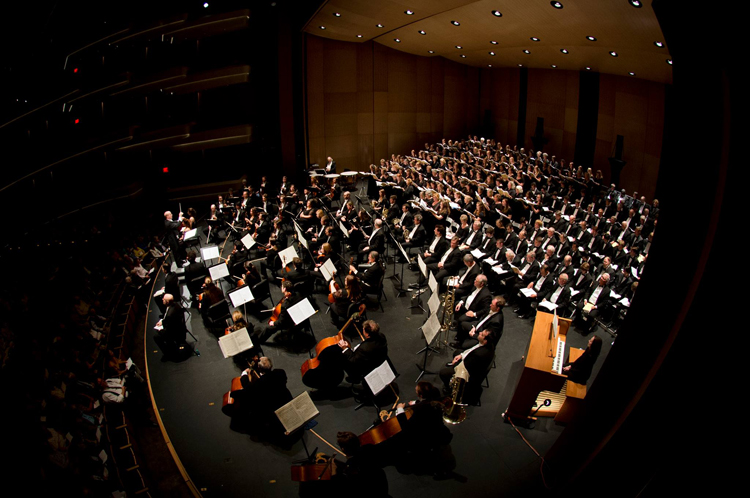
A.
pixel 537 372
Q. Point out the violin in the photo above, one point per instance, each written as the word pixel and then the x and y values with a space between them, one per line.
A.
pixel 276 311
pixel 324 370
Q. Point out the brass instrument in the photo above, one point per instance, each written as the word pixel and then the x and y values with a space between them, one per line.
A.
pixel 455 409
pixel 385 213
pixel 448 309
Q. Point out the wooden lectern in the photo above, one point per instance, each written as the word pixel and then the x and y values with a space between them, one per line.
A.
pixel 537 372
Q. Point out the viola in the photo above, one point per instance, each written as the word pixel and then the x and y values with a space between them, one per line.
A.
pixel 324 369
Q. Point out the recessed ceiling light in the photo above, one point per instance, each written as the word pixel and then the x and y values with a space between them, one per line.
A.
pixel 556 5
pixel 520 65
pixel 378 25
pixel 463 56
pixel 422 32
pixel 669 61
pixel 409 12
pixel 497 13
pixel 337 14
pixel 564 50
pixel 205 5
pixel 534 39
pixel 489 65
pixel 397 40
pixel 492 53
pixel 322 27
pixel 613 53
pixel 430 51
pixel 554 67
pixel 359 36
pixel 631 73
pixel 459 47
pixel 588 68
pixel 636 3
pixel 591 38
pixel 658 44
pixel 455 23
pixel 526 51
pixel 493 42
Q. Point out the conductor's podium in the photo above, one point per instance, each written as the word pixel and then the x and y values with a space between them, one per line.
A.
pixel 538 381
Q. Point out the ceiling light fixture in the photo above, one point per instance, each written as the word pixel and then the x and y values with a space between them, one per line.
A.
pixel 492 54
pixel 556 5
pixel 613 53
pixel 409 12
pixel 534 39
pixel 669 61
pixel 564 50
pixel 497 13
pixel 422 32
pixel 636 3
pixel 463 56
pixel 378 25
pixel 493 42
pixel 205 5
pixel 631 73
pixel 459 47
pixel 588 68
pixel 337 14
pixel 455 23
pixel 359 36
pixel 520 65
pixel 591 38
pixel 430 51
pixel 526 51
pixel 322 27
pixel 397 40
pixel 658 44
pixel 554 67
pixel 489 65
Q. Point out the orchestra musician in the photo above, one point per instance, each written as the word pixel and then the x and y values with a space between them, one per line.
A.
pixel 262 396
pixel 368 355
pixel 344 298
pixel 370 278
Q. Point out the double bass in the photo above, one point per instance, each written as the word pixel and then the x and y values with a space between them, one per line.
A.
pixel 326 369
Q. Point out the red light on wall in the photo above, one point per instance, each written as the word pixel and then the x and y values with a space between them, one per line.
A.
pixel 165 169
pixel 76 121
pixel 75 70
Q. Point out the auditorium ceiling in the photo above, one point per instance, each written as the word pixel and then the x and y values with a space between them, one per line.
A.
pixel 494 33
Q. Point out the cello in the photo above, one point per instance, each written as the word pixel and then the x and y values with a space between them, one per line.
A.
pixel 326 369
pixel 228 406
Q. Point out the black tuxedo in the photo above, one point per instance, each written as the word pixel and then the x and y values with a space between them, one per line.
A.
pixel 467 287
pixel 369 355
pixel 371 276
pixel 440 248
pixel 495 323
pixel 417 240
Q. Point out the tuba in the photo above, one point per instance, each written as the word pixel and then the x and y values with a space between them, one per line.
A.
pixel 455 409
pixel 448 308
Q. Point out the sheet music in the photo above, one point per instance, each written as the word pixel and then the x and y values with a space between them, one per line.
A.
pixel 297 412
pixel 433 283
pixel 287 255
pixel 379 378
pixel 328 269
pixel 303 241
pixel 248 241
pixel 234 343
pixel 431 328
pixel 401 248
pixel 422 265
pixel 241 296
pixel 301 311
pixel 499 270
pixel 343 229
pixel 548 304
pixel 527 292
pixel 160 292
pixel 190 234
pixel 434 301
pixel 477 253
pixel 218 271
pixel 210 252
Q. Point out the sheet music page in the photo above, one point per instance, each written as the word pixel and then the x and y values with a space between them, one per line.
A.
pixel 547 304
pixel 431 328
pixel 477 253
pixel 588 307
pixel 218 271
pixel 432 283
pixel 234 343
pixel 210 252
pixel 158 293
pixel 241 296
pixel 287 255
pixel 328 267
pixel 303 241
pixel 422 265
pixel 297 412
pixel 343 229
pixel 190 234
pixel 434 302
pixel 379 378
pixel 490 261
pixel 248 241
pixel 301 311
pixel 527 292
pixel 499 270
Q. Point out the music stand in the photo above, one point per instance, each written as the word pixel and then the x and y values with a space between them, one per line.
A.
pixel 429 330
pixel 240 297
pixel 422 276
pixel 400 288
pixel 209 253
pixel 218 272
